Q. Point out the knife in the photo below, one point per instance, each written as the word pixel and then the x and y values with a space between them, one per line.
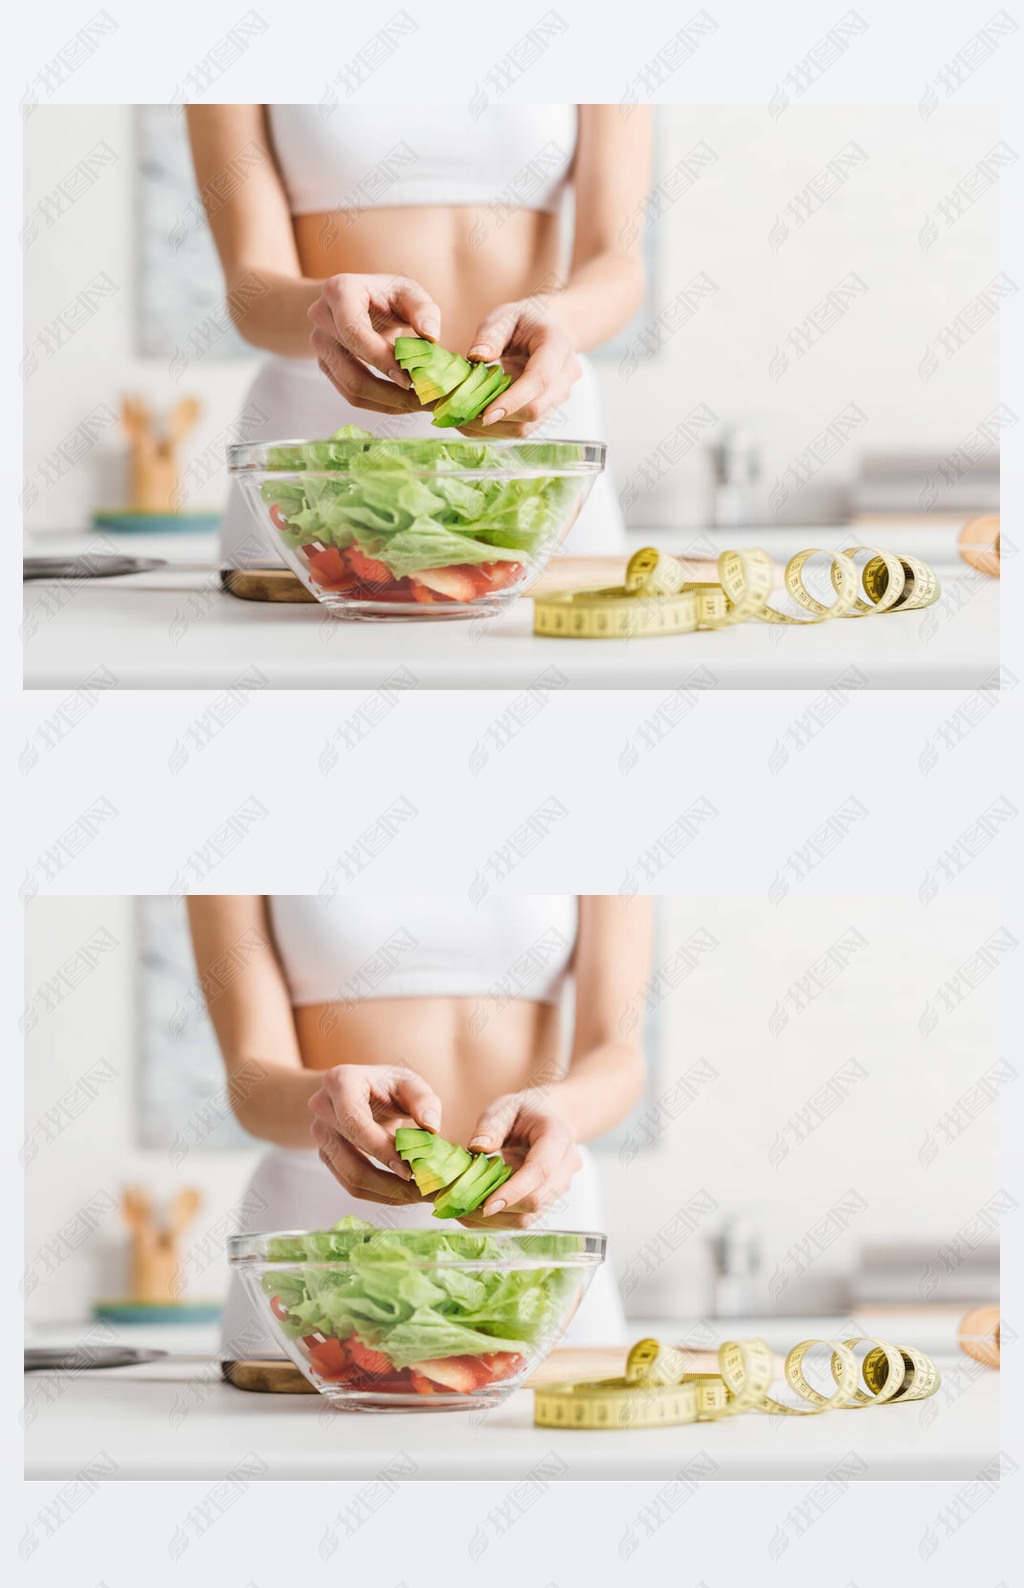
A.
pixel 71 1359
pixel 106 566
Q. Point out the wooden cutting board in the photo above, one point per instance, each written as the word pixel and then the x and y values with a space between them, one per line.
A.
pixel 267 1377
pixel 572 1364
pixel 566 1364
pixel 594 573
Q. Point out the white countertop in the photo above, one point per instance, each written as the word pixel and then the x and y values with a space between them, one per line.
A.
pixel 169 630
pixel 178 1421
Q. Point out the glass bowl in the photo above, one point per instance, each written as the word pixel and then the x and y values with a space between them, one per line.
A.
pixel 416 1320
pixel 378 528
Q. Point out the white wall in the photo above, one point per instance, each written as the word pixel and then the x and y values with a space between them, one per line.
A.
pixel 99 363
pixel 720 1144
pixel 870 226
pixel 70 1162
pixel 720 226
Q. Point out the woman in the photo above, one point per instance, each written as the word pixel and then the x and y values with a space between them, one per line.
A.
pixel 363 1014
pixel 374 221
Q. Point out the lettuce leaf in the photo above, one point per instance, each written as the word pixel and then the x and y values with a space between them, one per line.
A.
pixel 376 496
pixel 428 545
pixel 415 1313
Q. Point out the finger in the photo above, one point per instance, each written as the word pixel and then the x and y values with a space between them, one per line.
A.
pixel 353 309
pixel 355 381
pixel 506 430
pixel 343 313
pixel 324 320
pixel 418 307
pixel 343 1104
pixel 363 390
pixel 501 1221
pixel 365 406
pixel 494 1124
pixel 543 384
pixel 418 1099
pixel 357 1175
pixel 541 1168
pixel 343 310
pixel 510 1218
pixel 495 332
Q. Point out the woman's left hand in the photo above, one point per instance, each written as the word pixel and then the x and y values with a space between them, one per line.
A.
pixel 538 353
pixel 534 1137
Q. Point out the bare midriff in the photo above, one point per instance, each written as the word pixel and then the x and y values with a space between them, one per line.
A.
pixel 468 258
pixel 470 1050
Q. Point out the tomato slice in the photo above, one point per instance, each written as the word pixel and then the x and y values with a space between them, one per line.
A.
pixel 366 1358
pixel 278 1308
pixel 502 1364
pixel 463 1374
pixel 451 584
pixel 396 1385
pixel 279 520
pixel 368 570
pixel 330 1360
pixel 399 590
pixel 328 569
pixel 497 575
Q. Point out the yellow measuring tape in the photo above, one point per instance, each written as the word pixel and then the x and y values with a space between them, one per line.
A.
pixel 657 1391
pixel 657 597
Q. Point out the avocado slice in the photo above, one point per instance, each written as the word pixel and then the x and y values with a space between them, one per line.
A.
pixel 469 400
pixel 407 1139
pixel 434 371
pixel 499 1173
pixel 460 401
pixel 472 1188
pixel 409 348
pixel 461 1194
pixel 435 1162
pixel 438 1170
pixel 461 390
pixel 464 1179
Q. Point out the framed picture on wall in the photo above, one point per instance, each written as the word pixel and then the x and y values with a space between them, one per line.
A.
pixel 182 1099
pixel 180 289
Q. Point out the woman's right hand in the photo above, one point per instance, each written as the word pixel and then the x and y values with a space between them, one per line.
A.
pixel 356 320
pixel 357 1110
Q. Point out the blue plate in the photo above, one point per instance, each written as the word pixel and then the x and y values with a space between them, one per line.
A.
pixel 128 523
pixel 158 1312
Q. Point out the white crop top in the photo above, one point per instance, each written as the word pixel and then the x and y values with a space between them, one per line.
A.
pixel 349 949
pixel 372 156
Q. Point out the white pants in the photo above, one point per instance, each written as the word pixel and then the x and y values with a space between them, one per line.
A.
pixel 292 1190
pixel 291 399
